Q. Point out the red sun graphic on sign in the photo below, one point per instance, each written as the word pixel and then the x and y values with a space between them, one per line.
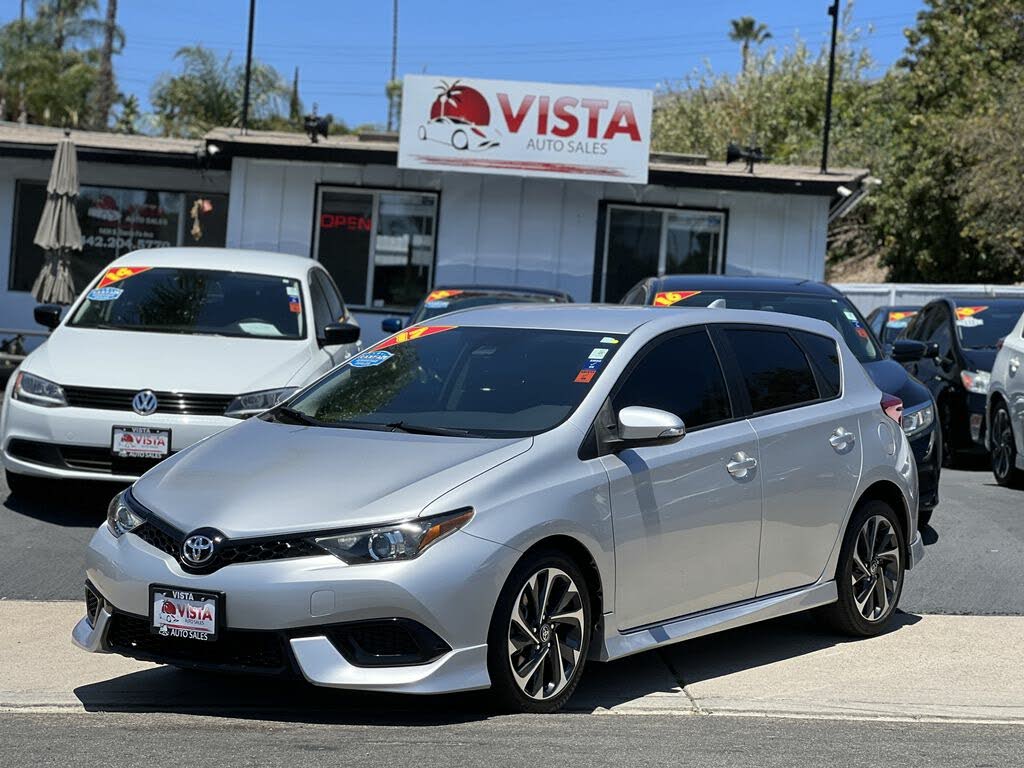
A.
pixel 458 117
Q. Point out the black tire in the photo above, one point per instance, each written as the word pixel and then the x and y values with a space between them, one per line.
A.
pixel 845 615
pixel 924 516
pixel 506 691
pixel 23 486
pixel 1004 450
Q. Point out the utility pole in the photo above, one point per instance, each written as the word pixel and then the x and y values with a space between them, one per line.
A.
pixel 394 67
pixel 22 112
pixel 833 11
pixel 248 68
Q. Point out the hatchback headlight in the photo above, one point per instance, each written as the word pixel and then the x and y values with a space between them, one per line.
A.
pixel 401 541
pixel 38 391
pixel 918 419
pixel 251 403
pixel 976 381
pixel 120 517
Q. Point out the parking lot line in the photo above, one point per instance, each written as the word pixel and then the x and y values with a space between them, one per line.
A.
pixel 930 668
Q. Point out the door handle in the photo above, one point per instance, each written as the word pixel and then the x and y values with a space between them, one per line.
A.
pixel 841 438
pixel 740 464
pixel 1014 365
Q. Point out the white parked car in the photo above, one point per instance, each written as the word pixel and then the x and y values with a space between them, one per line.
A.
pixel 1004 412
pixel 166 347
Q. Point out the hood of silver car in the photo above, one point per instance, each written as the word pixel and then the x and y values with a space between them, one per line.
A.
pixel 262 478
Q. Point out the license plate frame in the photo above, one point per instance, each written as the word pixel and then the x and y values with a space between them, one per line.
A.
pixel 188 630
pixel 143 453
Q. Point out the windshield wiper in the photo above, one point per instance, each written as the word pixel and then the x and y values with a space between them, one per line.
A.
pixel 295 416
pixel 420 429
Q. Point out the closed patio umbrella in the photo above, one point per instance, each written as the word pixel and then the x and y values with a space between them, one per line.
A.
pixel 58 233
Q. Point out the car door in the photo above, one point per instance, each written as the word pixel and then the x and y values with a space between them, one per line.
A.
pixel 808 439
pixel 686 527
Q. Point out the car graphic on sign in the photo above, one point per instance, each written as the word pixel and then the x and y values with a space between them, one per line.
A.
pixel 460 117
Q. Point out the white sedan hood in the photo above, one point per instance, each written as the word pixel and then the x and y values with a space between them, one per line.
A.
pixel 166 361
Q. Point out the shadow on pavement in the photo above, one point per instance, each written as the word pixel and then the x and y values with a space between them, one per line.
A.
pixel 649 680
pixel 67 503
pixel 758 645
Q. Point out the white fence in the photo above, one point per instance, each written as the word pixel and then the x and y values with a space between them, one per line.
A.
pixel 867 296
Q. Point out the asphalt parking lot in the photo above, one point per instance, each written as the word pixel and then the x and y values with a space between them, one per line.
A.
pixel 974 563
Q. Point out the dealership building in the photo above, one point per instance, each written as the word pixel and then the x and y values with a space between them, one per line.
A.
pixel 389 229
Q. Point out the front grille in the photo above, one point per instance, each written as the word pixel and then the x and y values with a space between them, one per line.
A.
pixel 168 539
pixel 82 457
pixel 256 651
pixel 190 403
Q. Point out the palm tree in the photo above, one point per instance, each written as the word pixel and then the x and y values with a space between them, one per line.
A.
pixel 746 30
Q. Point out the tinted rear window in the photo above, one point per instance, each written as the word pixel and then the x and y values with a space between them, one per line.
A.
pixel 982 324
pixel 824 355
pixel 775 370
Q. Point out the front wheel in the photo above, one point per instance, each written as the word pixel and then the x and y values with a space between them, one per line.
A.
pixel 869 576
pixel 540 634
pixel 1004 450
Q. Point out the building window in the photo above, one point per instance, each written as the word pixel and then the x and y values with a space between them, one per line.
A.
pixel 115 221
pixel 378 245
pixel 643 242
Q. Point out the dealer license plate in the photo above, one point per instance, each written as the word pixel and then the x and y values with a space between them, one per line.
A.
pixel 184 613
pixel 140 443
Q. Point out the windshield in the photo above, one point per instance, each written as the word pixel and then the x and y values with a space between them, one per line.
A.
pixel 194 301
pixel 896 322
pixel 837 312
pixel 479 382
pixel 441 302
pixel 982 324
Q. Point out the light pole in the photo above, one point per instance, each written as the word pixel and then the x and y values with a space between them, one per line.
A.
pixel 248 68
pixel 833 11
pixel 392 107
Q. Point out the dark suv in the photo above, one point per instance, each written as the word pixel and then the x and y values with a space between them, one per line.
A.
pixel 963 334
pixel 823 302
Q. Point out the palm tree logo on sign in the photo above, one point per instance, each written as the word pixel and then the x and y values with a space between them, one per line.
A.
pixel 460 118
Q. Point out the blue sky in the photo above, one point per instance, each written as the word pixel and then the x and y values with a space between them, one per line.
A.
pixel 342 48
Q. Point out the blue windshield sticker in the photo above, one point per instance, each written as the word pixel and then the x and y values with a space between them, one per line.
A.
pixel 105 294
pixel 370 359
pixel 594 365
pixel 437 304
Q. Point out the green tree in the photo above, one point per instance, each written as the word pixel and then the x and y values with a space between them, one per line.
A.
pixel 128 119
pixel 51 62
pixel 295 110
pixel 208 93
pixel 940 212
pixel 746 30
pixel 106 85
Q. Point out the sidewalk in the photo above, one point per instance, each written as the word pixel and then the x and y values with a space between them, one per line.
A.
pixel 930 668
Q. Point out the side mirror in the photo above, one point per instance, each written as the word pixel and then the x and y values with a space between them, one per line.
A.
pixel 641 426
pixel 931 349
pixel 909 351
pixel 48 315
pixel 391 324
pixel 339 333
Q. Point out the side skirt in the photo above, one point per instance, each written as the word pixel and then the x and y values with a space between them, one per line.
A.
pixel 618 644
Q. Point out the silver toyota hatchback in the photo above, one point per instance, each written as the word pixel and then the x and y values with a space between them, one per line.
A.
pixel 500 499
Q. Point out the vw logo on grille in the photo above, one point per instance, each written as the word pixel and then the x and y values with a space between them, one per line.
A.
pixel 144 402
pixel 197 549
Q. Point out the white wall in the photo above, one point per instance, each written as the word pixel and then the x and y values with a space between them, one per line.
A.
pixel 538 232
pixel 16 306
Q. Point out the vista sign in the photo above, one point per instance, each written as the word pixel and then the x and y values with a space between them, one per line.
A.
pixel 525 129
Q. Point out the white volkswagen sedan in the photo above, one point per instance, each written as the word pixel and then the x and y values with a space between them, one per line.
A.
pixel 166 347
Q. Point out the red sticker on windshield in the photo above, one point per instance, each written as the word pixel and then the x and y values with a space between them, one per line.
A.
pixel 895 317
pixel 442 294
pixel 584 377
pixel 416 332
pixel 119 274
pixel 668 298
pixel 962 312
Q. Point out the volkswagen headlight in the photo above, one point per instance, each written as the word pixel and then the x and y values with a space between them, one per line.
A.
pixel 251 403
pixel 976 381
pixel 38 391
pixel 918 419
pixel 120 517
pixel 400 541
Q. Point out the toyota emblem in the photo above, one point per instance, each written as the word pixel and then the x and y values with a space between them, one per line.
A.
pixel 144 402
pixel 197 549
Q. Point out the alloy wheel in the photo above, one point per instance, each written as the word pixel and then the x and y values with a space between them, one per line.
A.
pixel 876 569
pixel 1002 445
pixel 545 634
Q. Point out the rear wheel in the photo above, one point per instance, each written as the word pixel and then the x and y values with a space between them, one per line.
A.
pixel 869 576
pixel 23 486
pixel 1004 450
pixel 540 634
